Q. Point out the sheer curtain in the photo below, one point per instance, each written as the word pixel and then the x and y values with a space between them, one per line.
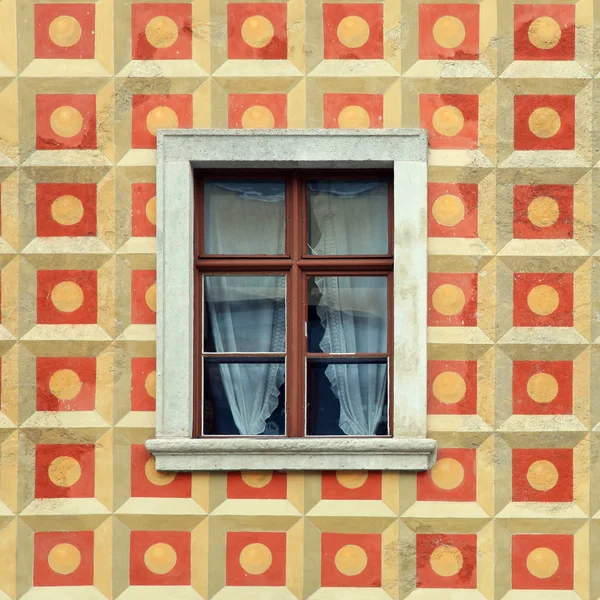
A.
pixel 247 313
pixel 351 308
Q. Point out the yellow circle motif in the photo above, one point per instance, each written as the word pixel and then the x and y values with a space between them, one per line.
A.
pixel 544 33
pixel 161 32
pixel 446 561
pixel 544 122
pixel 65 31
pixel 353 31
pixel 65 384
pixel 449 387
pixel 67 210
pixel 354 117
pixel 150 384
pixel 447 473
pixel 258 117
pixel 67 296
pixel 543 211
pixel 66 121
pixel 448 210
pixel 64 559
pixel 543 300
pixel 64 471
pixel 151 210
pixel 542 475
pixel 257 31
pixel 448 121
pixel 449 32
pixel 448 299
pixel 351 560
pixel 542 388
pixel 351 480
pixel 161 117
pixel 150 297
pixel 155 477
pixel 542 563
pixel 160 558
pixel 255 558
pixel 257 479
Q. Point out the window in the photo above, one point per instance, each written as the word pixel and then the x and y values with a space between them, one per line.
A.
pixel 292 277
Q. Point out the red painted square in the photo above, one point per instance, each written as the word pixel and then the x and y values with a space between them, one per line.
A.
pixel 542 562
pixel 543 387
pixel 255 558
pixel 65 209
pixel 544 122
pixel 353 111
pixel 451 119
pixel 67 297
pixel 143 384
pixel 351 485
pixel 351 560
pixel 449 31
pixel 147 482
pixel 257 30
pixel 544 32
pixel 161 31
pixel 257 111
pixel 452 299
pixel 353 31
pixel 64 30
pixel 452 479
pixel 143 297
pixel 64 471
pixel 452 387
pixel 160 558
pixel 153 112
pixel 543 212
pixel 65 384
pixel 143 209
pixel 452 209
pixel 63 558
pixel 446 561
pixel 542 475
pixel 65 121
pixel 543 300
pixel 264 485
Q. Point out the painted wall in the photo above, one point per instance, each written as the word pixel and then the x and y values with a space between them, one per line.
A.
pixel 509 93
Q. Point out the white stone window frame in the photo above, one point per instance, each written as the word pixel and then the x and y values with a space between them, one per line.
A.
pixel 179 152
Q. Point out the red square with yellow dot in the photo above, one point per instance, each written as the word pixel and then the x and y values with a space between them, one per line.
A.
pixel 351 560
pixel 143 297
pixel 257 30
pixel 451 119
pixel 353 111
pixel 452 209
pixel 64 471
pixel 65 121
pixel 65 209
pixel 147 482
pixel 446 561
pixel 543 212
pixel 543 300
pixel 143 209
pixel 353 31
pixel 544 122
pixel 66 383
pixel 542 475
pixel 161 31
pixel 63 558
pixel 449 31
pixel 143 384
pixel 452 299
pixel 160 558
pixel 67 297
pixel 257 111
pixel 64 30
pixel 544 32
pixel 264 485
pixel 255 558
pixel 452 387
pixel 351 485
pixel 542 387
pixel 154 112
pixel 542 562
pixel 452 479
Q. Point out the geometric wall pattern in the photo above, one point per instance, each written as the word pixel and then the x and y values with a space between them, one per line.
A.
pixel 509 91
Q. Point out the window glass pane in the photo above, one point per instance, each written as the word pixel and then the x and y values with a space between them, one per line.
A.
pixel 347 314
pixel 347 217
pixel 347 399
pixel 244 313
pixel 244 398
pixel 244 217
